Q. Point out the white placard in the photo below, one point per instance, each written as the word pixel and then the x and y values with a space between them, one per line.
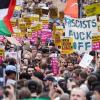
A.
pixel 81 30
pixel 86 60
pixel 15 55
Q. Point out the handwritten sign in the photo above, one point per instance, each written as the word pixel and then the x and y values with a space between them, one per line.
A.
pixel 81 30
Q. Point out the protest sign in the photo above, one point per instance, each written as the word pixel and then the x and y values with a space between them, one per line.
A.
pixel 93 9
pixel 15 55
pixel 58 33
pixel 27 19
pixel 96 42
pixel 22 26
pixel 2 52
pixel 54 64
pixel 66 45
pixel 45 20
pixel 29 32
pixel 36 17
pixel 45 35
pixel 99 26
pixel 81 30
pixel 57 39
pixel 86 60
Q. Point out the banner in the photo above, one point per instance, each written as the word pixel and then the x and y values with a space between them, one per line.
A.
pixel 96 42
pixel 66 45
pixel 81 30
pixel 93 9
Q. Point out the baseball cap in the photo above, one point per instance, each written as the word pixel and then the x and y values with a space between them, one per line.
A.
pixel 11 68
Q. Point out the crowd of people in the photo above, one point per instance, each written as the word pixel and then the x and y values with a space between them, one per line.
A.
pixel 37 78
pixel 44 73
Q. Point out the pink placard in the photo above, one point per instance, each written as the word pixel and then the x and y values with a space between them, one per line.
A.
pixel 96 46
pixel 54 64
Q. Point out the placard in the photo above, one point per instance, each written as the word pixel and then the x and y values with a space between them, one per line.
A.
pixel 15 55
pixel 66 45
pixel 86 60
pixel 58 33
pixel 2 51
pixel 96 42
pixel 93 9
pixel 81 30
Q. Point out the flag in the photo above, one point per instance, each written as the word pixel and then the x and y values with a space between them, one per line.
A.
pixel 71 8
pixel 6 12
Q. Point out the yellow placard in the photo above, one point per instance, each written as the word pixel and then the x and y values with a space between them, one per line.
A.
pixel 18 8
pixel 39 25
pixel 66 45
pixel 57 39
pixel 2 52
pixel 29 32
pixel 34 28
pixel 95 38
pixel 22 26
pixel 93 9
pixel 99 26
pixel 58 33
pixel 45 20
pixel 36 17
pixel 27 19
pixel 22 34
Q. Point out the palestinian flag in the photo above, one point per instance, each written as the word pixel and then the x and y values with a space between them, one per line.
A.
pixel 6 12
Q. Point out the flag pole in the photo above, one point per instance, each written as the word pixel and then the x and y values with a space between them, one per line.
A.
pixel 80 7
